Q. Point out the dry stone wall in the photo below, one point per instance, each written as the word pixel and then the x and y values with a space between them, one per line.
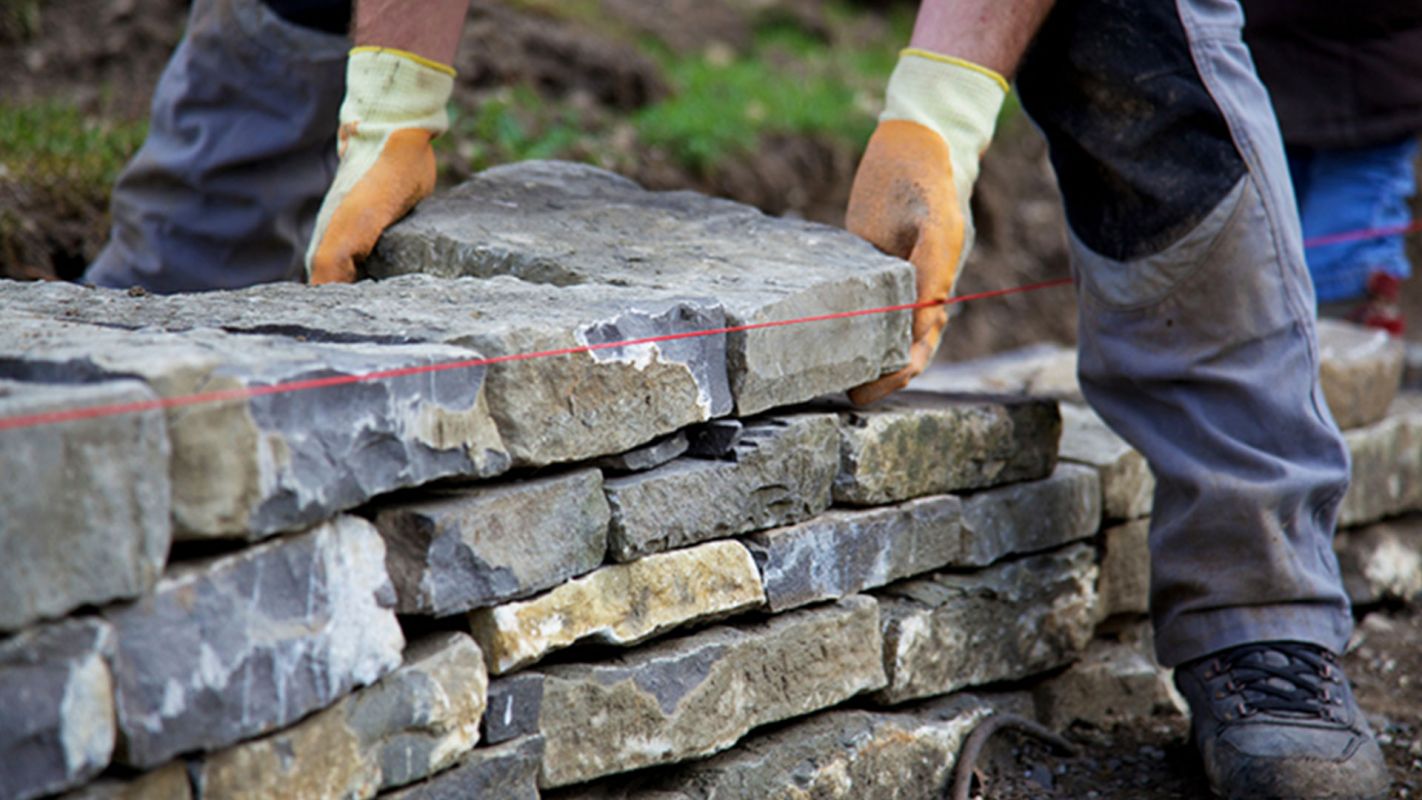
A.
pixel 677 569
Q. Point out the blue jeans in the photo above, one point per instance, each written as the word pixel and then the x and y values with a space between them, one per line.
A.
pixel 1353 190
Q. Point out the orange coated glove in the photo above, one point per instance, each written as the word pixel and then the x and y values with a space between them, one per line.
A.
pixel 910 195
pixel 394 107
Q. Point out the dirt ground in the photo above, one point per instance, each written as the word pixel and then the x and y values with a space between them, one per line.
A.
pixel 1153 760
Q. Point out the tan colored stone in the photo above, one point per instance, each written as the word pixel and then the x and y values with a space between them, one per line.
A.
pixel 1360 369
pixel 1115 682
pixel 414 722
pixel 621 604
pixel 1387 466
pixel 1127 485
pixel 1124 587
pixel 1382 561
pixel 165 783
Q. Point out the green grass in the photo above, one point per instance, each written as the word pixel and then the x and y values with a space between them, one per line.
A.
pixel 19 19
pixel 54 146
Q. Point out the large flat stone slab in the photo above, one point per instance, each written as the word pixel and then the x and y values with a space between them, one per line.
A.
pixel 691 697
pixel 1127 484
pixel 84 505
pixel 779 472
pixel 506 772
pixel 56 708
pixel 568 406
pixel 1360 369
pixel 1031 516
pixel 948 631
pixel 566 225
pixel 836 755
pixel 621 604
pixel 251 642
pixel 410 724
pixel 275 462
pixel 1387 466
pixel 453 550
pixel 917 444
pixel 840 552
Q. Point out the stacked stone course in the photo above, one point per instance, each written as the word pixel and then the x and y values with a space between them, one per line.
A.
pixel 543 577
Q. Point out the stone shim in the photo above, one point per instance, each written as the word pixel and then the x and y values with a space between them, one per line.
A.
pixel 454 550
pixel 780 472
pixel 570 225
pixel 698 695
pixel 108 538
pixel 621 604
pixel 251 642
pixel 917 444
pixel 506 772
pixel 57 706
pixel 412 723
pixel 947 631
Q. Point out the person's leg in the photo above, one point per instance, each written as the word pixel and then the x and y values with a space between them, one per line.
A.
pixel 240 150
pixel 1197 343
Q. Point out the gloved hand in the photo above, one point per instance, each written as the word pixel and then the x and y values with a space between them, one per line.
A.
pixel 910 195
pixel 394 107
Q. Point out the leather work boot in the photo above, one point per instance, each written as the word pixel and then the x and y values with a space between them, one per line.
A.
pixel 1277 721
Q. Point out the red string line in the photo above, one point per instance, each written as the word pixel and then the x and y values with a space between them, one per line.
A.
pixel 1404 229
pixel 245 393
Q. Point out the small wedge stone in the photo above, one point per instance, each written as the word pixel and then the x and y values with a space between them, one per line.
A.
pixel 1124 587
pixel 1127 485
pixel 1387 468
pixel 165 783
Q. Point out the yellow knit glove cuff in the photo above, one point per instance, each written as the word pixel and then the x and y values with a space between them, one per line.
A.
pixel 956 99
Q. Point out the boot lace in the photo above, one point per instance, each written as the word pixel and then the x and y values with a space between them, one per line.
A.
pixel 1287 678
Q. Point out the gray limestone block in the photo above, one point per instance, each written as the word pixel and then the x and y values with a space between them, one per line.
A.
pixel 648 456
pixel 781 474
pixel 917 444
pixel 840 552
pixel 1382 561
pixel 691 697
pixel 241 645
pixel 1387 467
pixel 568 406
pixel 1360 370
pixel 165 783
pixel 453 550
pixel 84 504
pixel 1039 370
pixel 1031 516
pixel 833 755
pixel 1007 622
pixel 506 772
pixel 515 706
pixel 1124 587
pixel 258 465
pixel 1127 484
pixel 56 707
pixel 412 723
pixel 567 225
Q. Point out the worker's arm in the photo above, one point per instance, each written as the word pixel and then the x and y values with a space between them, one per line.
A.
pixel 398 81
pixel 910 195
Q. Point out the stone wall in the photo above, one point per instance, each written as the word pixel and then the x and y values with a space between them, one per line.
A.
pixel 546 577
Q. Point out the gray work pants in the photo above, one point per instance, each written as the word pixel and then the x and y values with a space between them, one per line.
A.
pixel 241 148
pixel 1197 340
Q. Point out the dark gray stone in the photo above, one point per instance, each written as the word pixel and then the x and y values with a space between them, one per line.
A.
pixel 460 549
pixel 562 408
pixel 515 705
pixel 572 225
pixel 275 462
pixel 1031 516
pixel 84 504
pixel 840 553
pixel 715 439
pixel 917 444
pixel 56 708
pixel 248 643
pixel 647 456
pixel 1007 622
pixel 691 697
pixel 506 772
pixel 781 474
